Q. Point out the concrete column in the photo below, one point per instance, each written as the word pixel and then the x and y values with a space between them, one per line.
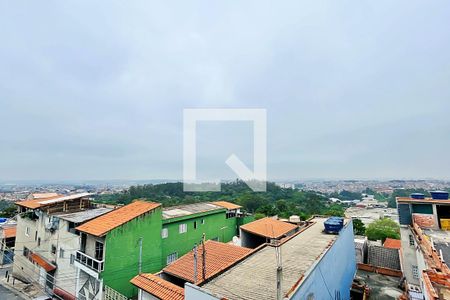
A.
pixel 77 285
pixel 436 219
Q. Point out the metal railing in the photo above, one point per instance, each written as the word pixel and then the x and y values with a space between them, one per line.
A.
pixel 89 262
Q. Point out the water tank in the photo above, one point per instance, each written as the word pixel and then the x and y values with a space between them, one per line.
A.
pixel 334 224
pixel 439 195
pixel 294 219
pixel 417 196
pixel 3 220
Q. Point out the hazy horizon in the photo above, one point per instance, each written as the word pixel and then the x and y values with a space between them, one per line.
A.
pixel 351 89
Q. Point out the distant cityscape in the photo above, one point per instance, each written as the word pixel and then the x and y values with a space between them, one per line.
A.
pixel 20 190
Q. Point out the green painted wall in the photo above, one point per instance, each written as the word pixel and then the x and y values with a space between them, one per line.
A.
pixel 422 208
pixel 122 252
pixel 122 244
pixel 216 227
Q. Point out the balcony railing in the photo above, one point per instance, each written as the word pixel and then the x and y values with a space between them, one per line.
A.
pixel 89 262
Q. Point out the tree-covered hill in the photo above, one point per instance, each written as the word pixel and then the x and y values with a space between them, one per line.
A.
pixel 276 201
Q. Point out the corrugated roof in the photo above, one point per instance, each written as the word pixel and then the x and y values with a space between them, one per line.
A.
pixel 83 216
pixel 42 262
pixel 43 195
pixel 392 243
pixel 227 205
pixel 269 228
pixel 34 203
pixel 158 287
pixel 9 232
pixel 219 256
pixel 107 222
pixel 43 201
pixel 189 209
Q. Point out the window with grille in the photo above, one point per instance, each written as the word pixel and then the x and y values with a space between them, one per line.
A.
pixel 61 253
pixel 171 258
pixel 411 240
pixel 415 272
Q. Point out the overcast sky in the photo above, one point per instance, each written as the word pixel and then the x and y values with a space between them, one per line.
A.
pixel 96 89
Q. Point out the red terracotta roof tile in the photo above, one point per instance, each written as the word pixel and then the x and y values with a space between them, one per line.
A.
pixel 42 262
pixel 158 287
pixel 269 228
pixel 219 256
pixel 107 222
pixel 227 205
pixel 392 243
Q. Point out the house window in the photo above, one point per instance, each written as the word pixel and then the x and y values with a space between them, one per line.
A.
pixel 415 272
pixel 35 235
pixel 27 231
pixel 411 240
pixel 195 224
pixel 98 250
pixel 39 241
pixel 26 251
pixel 53 249
pixel 72 259
pixel 61 253
pixel 203 221
pixel 172 257
pixel 182 228
pixel 71 227
pixel 164 233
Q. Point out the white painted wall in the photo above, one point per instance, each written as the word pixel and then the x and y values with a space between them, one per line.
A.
pixel 143 295
pixel 192 292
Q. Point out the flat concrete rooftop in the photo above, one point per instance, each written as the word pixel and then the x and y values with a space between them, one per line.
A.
pixel 255 277
pixel 382 287
pixel 189 209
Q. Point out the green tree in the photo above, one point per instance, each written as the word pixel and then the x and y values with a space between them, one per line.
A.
pixel 335 210
pixel 358 227
pixel 259 216
pixel 382 229
pixel 7 209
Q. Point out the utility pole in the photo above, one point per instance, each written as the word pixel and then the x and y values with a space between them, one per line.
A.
pixel 204 258
pixel 279 270
pixel 195 263
pixel 140 255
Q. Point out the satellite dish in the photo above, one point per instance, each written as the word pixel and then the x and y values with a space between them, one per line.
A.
pixel 236 241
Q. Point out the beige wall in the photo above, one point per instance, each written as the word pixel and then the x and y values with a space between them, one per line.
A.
pixel 65 274
pixel 22 266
